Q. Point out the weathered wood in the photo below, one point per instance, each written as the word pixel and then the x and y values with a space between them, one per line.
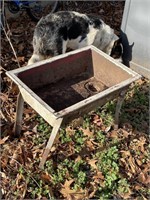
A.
pixel 39 106
pixel 118 108
pixel 50 141
pixel 95 100
pixel 19 114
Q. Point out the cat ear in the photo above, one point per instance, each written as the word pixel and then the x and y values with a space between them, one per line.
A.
pixel 118 42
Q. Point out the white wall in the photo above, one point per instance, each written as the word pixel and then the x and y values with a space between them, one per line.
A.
pixel 136 26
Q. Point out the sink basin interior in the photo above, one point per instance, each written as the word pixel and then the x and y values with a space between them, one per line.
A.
pixel 68 80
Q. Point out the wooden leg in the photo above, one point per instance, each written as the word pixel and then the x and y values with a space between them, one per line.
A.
pixel 118 108
pixel 50 142
pixel 19 113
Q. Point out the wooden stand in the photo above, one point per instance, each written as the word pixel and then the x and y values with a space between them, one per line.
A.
pixel 67 68
pixel 118 108
pixel 57 124
pixel 50 142
pixel 19 114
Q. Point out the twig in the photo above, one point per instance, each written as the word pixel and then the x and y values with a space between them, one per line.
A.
pixel 3 14
pixel 3 116
pixel 50 194
pixel 10 44
pixel 2 68
pixel 9 38
pixel 24 169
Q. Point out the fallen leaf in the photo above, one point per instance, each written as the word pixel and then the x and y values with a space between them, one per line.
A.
pixel 70 131
pixel 4 159
pixel 2 141
pixel 20 59
pixel 125 133
pixel 78 158
pixel 126 195
pixel 113 134
pixel 46 177
pixel 3 175
pixel 69 193
pixel 65 190
pixel 92 163
pixel 125 154
pixel 107 129
pixel 3 97
pixel 21 47
pixel 97 120
pixel 21 185
pixel 87 132
pixel 90 145
pixel 132 164
pixel 139 162
pixel 138 144
pixel 92 189
pixel 144 178
pixel 129 163
pixel 137 187
pixel 28 133
pixel 142 141
pixel 99 175
pixel 128 127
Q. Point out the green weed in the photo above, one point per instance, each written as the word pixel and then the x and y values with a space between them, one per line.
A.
pixel 123 186
pixel 64 137
pixel 100 137
pixel 59 176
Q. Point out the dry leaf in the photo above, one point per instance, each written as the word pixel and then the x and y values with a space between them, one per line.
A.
pixel 28 133
pixel 21 185
pixel 3 97
pixel 132 164
pixel 4 159
pixel 98 176
pixel 70 131
pixel 66 190
pixel 137 187
pixel 142 142
pixel 92 163
pixel 93 187
pixel 126 195
pixel 2 141
pixel 87 132
pixel 20 59
pixel 78 158
pixel 129 163
pixel 97 120
pixel 139 162
pixel 90 145
pixel 3 175
pixel 21 47
pixel 144 178
pixel 125 133
pixel 113 134
pixel 68 193
pixel 138 144
pixel 46 177
pixel 107 129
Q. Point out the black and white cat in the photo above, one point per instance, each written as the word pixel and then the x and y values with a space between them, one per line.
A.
pixel 68 29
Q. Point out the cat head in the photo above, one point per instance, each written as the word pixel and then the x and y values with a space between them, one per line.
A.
pixel 117 49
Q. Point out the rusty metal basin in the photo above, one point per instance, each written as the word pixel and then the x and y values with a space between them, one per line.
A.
pixel 70 85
